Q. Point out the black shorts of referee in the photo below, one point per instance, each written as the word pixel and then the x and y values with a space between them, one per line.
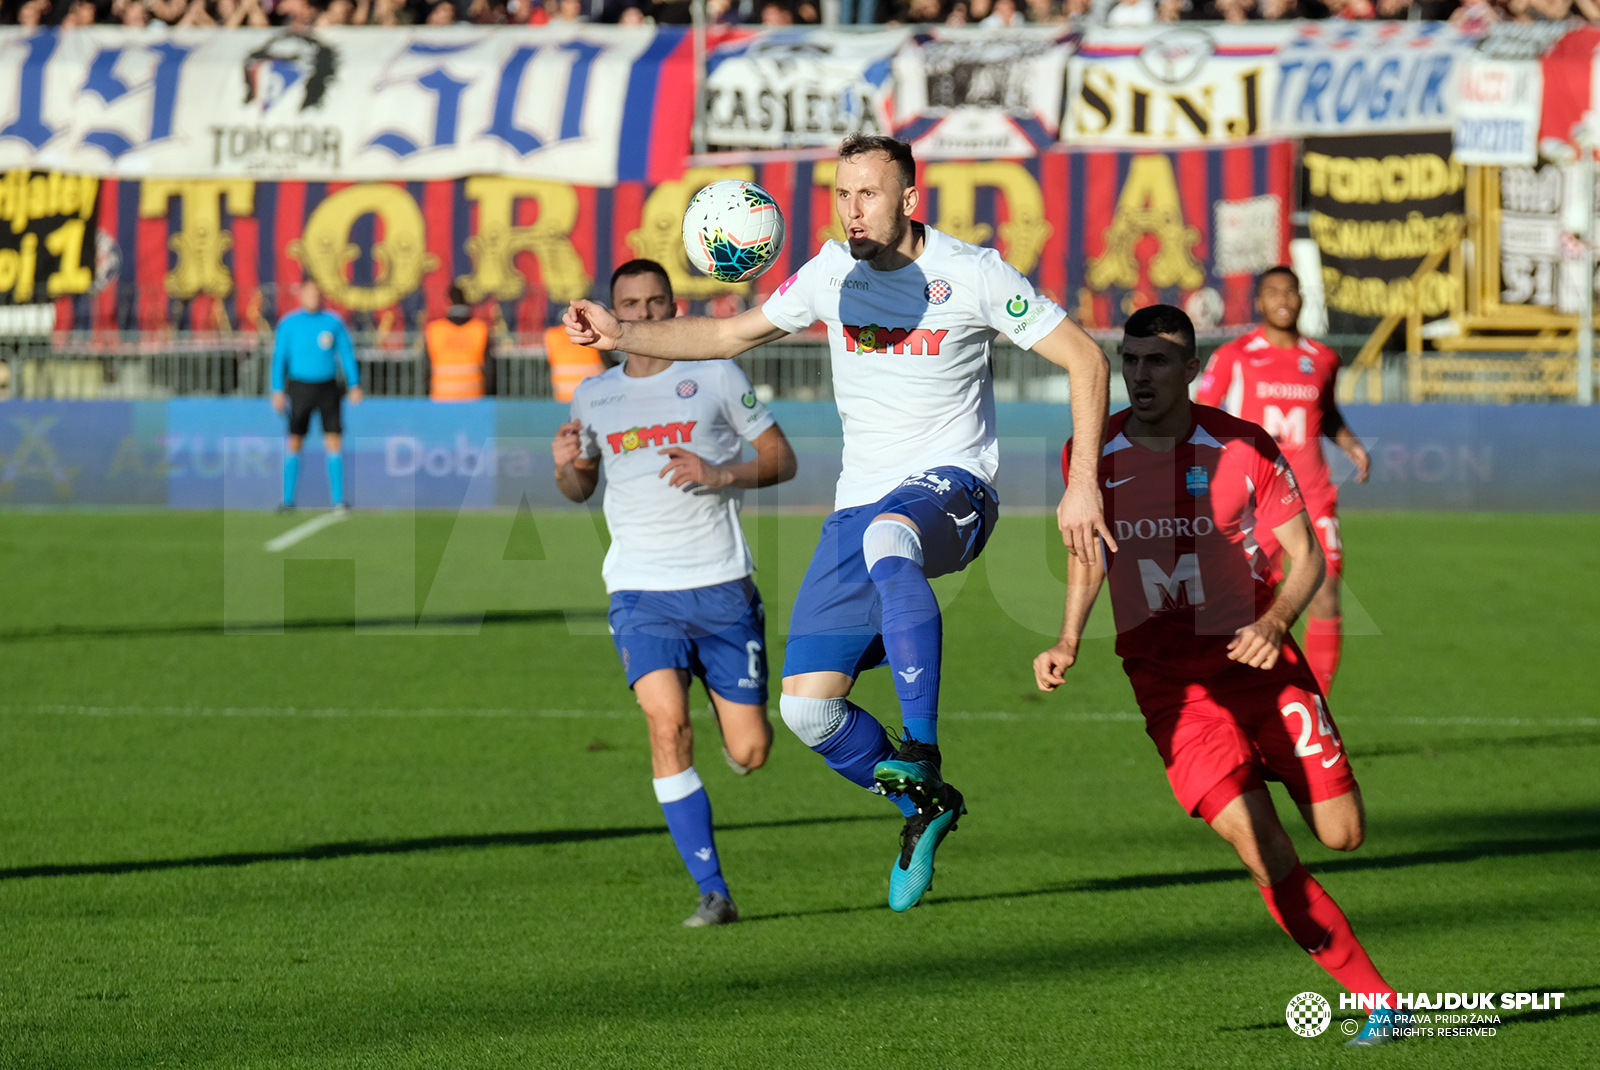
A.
pixel 306 398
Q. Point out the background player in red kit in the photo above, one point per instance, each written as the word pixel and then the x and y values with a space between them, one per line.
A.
pixel 1275 377
pixel 1204 635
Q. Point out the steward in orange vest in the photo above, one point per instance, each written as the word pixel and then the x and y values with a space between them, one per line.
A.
pixel 460 364
pixel 570 363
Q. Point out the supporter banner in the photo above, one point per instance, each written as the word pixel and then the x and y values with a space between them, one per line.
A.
pixel 1378 205
pixel 1571 90
pixel 571 102
pixel 1178 86
pixel 1101 231
pixel 1341 77
pixel 989 95
pixel 799 88
pixel 1539 260
pixel 47 235
pixel 1497 116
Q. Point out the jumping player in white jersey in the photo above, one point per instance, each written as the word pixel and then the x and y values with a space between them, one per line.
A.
pixel 911 316
pixel 678 571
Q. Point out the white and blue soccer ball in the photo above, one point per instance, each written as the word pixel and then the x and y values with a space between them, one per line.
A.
pixel 733 230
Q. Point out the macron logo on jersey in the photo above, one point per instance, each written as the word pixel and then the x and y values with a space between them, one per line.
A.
pixel 659 435
pixel 875 339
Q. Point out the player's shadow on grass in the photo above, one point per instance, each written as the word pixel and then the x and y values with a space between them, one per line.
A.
pixel 363 848
pixel 1564 740
pixel 1135 882
pixel 312 624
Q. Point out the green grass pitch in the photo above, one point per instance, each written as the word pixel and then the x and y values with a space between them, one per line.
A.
pixel 363 841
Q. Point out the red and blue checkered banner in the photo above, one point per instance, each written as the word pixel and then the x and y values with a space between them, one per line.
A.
pixel 1101 231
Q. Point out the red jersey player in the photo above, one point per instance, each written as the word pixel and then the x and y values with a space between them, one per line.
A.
pixel 1203 633
pixel 1279 379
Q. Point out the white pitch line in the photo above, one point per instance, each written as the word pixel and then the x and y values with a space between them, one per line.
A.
pixel 306 530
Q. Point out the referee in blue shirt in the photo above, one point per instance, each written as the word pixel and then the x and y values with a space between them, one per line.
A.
pixel 311 346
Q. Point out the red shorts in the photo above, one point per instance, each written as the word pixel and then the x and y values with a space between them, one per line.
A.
pixel 1228 735
pixel 1324 515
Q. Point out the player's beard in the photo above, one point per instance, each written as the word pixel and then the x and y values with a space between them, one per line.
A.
pixel 871 249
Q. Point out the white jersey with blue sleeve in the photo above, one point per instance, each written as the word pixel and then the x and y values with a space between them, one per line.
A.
pixel 666 538
pixel 910 351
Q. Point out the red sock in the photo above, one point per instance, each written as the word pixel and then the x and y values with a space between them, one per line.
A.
pixel 1324 640
pixel 1314 921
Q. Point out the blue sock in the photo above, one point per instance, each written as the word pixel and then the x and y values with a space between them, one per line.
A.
pixel 336 478
pixel 291 476
pixel 913 637
pixel 688 810
pixel 856 748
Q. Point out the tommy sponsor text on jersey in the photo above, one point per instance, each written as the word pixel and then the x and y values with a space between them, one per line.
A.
pixel 666 538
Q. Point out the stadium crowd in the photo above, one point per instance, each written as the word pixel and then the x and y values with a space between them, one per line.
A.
pixel 306 14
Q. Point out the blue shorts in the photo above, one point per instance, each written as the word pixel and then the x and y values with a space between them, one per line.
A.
pixel 718 633
pixel 838 622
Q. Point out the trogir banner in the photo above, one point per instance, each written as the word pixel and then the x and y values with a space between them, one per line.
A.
pixel 550 102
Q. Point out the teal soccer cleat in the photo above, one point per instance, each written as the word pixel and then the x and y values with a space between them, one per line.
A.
pixel 912 873
pixel 914 772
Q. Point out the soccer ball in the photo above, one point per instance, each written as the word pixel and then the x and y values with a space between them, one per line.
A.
pixel 733 230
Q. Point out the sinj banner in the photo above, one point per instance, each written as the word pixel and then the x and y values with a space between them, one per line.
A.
pixel 799 88
pixel 993 94
pixel 555 102
pixel 1378 205
pixel 1179 86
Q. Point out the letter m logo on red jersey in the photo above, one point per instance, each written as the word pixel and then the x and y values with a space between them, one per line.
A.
pixel 916 341
pixel 1182 588
pixel 659 435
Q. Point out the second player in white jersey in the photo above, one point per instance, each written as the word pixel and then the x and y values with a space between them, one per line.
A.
pixel 910 351
pixel 683 604
pixel 667 536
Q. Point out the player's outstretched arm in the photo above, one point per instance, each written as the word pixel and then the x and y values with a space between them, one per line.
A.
pixel 1084 577
pixel 1081 514
pixel 774 462
pixel 685 338
pixel 1258 645
pixel 576 475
